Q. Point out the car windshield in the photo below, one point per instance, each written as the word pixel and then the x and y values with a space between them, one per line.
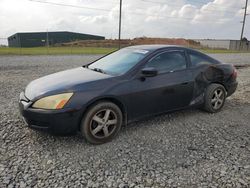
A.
pixel 118 62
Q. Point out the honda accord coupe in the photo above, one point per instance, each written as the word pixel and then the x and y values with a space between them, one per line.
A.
pixel 125 86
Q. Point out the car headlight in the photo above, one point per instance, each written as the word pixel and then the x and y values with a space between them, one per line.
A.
pixel 53 102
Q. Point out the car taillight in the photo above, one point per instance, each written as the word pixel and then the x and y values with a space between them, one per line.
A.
pixel 234 74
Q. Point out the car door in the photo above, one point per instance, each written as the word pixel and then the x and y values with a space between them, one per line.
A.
pixel 170 89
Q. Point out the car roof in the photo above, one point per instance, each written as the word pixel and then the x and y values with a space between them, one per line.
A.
pixel 154 47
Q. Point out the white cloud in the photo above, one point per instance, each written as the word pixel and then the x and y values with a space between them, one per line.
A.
pixel 215 19
pixel 101 19
pixel 188 11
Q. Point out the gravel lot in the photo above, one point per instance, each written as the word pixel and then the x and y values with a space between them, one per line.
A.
pixel 189 148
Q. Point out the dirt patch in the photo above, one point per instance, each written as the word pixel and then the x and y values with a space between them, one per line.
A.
pixel 130 42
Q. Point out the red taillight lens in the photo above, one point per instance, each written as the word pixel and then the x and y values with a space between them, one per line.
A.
pixel 234 74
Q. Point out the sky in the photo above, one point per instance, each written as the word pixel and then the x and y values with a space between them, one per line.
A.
pixel 192 19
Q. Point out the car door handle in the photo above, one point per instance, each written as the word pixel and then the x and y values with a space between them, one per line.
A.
pixel 184 83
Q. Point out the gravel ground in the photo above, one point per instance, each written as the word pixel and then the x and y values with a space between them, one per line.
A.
pixel 189 148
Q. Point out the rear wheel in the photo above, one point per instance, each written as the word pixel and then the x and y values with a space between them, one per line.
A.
pixel 214 98
pixel 101 123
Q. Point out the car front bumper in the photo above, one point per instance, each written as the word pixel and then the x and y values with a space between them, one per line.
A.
pixel 63 122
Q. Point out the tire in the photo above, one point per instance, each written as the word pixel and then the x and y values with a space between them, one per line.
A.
pixel 215 97
pixel 101 122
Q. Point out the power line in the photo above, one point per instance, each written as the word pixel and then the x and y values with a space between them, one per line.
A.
pixel 69 5
pixel 130 12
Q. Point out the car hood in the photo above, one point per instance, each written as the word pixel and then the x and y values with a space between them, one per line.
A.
pixel 61 82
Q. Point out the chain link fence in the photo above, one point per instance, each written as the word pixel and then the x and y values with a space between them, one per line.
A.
pixel 3 42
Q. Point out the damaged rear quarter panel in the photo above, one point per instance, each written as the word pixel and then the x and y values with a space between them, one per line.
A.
pixel 204 75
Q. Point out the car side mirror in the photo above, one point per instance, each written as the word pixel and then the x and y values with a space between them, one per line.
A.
pixel 149 72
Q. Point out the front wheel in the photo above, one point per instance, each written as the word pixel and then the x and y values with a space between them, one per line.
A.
pixel 215 97
pixel 101 122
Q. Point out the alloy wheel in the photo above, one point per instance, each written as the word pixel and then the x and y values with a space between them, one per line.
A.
pixel 103 123
pixel 217 98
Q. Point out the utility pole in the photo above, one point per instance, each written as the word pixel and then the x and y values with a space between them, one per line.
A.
pixel 243 23
pixel 47 38
pixel 47 41
pixel 120 22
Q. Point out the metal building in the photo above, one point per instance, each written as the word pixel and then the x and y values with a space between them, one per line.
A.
pixel 225 44
pixel 37 39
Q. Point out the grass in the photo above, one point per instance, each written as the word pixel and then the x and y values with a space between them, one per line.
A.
pixel 78 50
pixel 54 50
pixel 219 51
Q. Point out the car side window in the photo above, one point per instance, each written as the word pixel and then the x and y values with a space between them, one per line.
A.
pixel 168 62
pixel 197 60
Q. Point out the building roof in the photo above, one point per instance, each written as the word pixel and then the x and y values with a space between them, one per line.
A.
pixel 54 32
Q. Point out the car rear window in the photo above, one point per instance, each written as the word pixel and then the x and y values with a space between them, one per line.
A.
pixel 199 59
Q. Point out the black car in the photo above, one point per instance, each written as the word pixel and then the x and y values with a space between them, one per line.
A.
pixel 124 86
